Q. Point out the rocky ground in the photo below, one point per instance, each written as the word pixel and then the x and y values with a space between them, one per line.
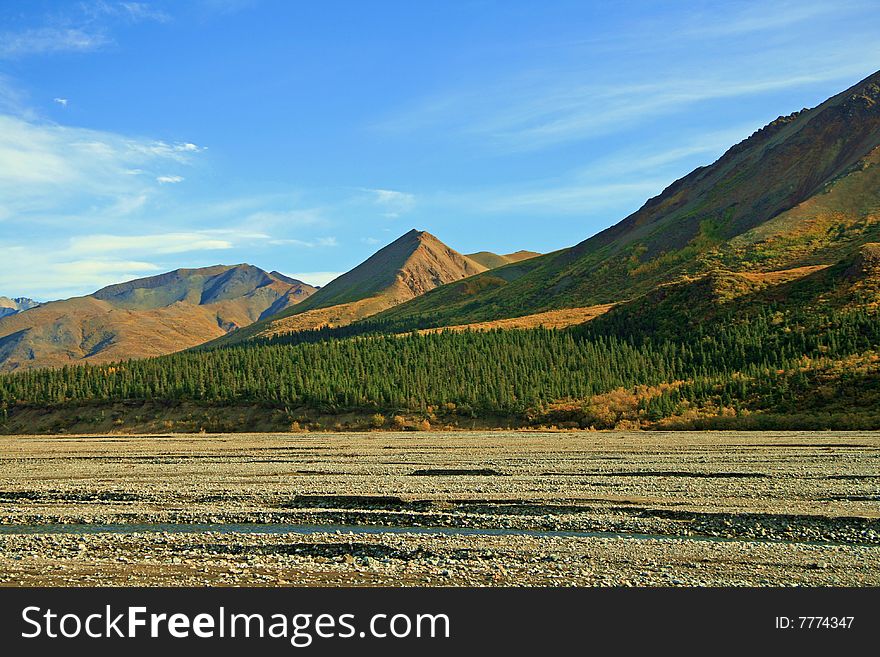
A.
pixel 549 509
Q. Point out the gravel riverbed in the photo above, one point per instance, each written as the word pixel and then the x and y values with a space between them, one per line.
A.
pixel 459 509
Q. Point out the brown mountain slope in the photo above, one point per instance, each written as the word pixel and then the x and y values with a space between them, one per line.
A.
pixel 804 190
pixel 145 317
pixel 407 268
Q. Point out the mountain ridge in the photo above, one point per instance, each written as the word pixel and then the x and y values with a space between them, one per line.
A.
pixel 144 317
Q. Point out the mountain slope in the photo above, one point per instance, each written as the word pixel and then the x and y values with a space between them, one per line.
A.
pixel 412 265
pixel 145 317
pixel 804 190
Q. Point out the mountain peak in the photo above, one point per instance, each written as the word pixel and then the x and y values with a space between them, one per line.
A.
pixel 413 264
pixel 416 236
pixel 416 260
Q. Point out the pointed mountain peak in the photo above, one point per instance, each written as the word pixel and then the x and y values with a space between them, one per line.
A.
pixel 411 265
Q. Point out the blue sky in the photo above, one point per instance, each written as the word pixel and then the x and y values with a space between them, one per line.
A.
pixel 137 137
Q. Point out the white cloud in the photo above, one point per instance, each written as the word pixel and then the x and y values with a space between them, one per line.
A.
pixel 83 263
pixel 563 198
pixel 163 180
pixel 577 111
pixel 61 101
pixel 607 186
pixel 178 152
pixel 48 168
pixel 763 17
pixel 162 243
pixel 39 273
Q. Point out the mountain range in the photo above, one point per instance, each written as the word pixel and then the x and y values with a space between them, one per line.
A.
pixel 225 304
pixel 145 317
pixel 746 286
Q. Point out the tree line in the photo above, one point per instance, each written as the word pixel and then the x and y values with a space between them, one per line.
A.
pixel 762 362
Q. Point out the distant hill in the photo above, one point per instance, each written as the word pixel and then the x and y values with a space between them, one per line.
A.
pixel 493 260
pixel 19 304
pixel 145 317
pixel 802 191
pixel 412 265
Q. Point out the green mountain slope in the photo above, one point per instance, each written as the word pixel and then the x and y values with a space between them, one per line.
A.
pixel 722 298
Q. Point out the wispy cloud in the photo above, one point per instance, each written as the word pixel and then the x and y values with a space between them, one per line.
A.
pixel 542 116
pixel 80 27
pixel 393 202
pixel 169 180
pixel 47 276
pixel 45 165
pixel 579 91
pixel 556 198
pixel 61 101
pixel 164 243
pixel 623 180
pixel 13 100
pixel 83 263
pixel 762 17
pixel 133 12
pixel 49 40
pixel 309 244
